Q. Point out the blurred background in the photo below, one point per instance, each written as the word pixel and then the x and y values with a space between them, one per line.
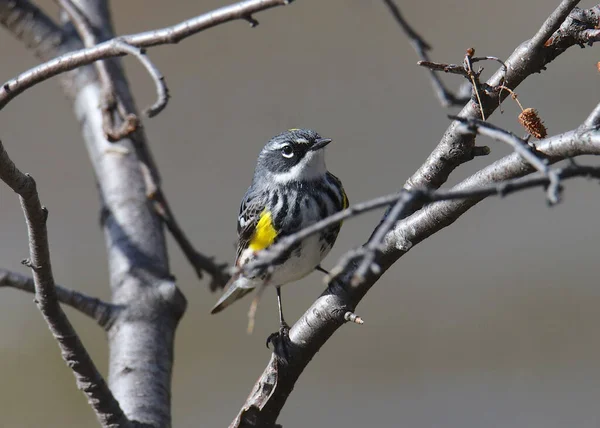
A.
pixel 490 323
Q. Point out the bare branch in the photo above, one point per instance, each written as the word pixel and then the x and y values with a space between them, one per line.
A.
pixel 102 312
pixel 84 28
pixel 445 96
pixel 520 146
pixel 162 92
pixel 32 26
pixel 466 70
pixel 88 378
pixel 268 256
pixel 113 48
pixel 530 57
pixel 370 249
pixel 593 120
pixel 130 121
pixel 79 21
pixel 553 23
pixel 446 68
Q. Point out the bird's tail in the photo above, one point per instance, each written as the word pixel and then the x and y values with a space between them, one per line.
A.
pixel 238 288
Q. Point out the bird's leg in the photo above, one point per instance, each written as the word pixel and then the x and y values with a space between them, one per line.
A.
pixel 281 338
pixel 282 324
pixel 320 269
pixel 326 272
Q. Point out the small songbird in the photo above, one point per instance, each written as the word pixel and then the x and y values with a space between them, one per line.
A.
pixel 291 190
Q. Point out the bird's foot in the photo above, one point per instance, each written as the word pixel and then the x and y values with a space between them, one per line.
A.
pixel 281 342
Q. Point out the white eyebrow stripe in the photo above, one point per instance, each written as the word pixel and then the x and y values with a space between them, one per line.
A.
pixel 287 143
pixel 281 146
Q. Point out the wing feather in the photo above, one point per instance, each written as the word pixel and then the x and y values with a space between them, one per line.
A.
pixel 253 204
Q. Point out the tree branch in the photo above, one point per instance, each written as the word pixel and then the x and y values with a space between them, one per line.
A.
pixel 421 47
pixel 33 27
pixel 456 148
pixel 88 378
pixel 102 312
pixel 520 146
pixel 113 48
pixel 141 339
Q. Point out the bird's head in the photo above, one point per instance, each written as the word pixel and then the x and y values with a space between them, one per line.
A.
pixel 293 155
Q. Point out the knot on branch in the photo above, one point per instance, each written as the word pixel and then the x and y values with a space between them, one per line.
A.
pixel 172 295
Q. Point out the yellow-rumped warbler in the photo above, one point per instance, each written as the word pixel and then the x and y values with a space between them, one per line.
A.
pixel 291 190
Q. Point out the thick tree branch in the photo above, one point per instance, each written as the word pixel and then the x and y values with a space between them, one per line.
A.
pixel 530 57
pixel 553 23
pixel 113 48
pixel 141 339
pixel 102 312
pixel 88 378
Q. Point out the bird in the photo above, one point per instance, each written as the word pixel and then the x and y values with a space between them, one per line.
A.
pixel 291 189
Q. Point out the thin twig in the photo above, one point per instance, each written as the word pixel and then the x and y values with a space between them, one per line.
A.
pixel 200 262
pixel 130 121
pixel 446 68
pixel 108 49
pixel 520 146
pixel 79 21
pixel 473 75
pixel 421 47
pixel 162 91
pixel 87 376
pixel 593 120
pixel 102 312
pixel 110 103
pixel 369 251
pixel 267 256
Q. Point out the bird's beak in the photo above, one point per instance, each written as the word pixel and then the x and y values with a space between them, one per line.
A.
pixel 320 143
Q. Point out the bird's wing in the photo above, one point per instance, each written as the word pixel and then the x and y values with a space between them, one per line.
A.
pixel 252 210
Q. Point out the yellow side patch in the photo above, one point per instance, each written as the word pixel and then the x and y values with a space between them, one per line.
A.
pixel 345 203
pixel 265 233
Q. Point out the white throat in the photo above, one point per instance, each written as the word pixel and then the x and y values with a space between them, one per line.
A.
pixel 311 167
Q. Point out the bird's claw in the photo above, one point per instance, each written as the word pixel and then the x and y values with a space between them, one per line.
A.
pixel 280 340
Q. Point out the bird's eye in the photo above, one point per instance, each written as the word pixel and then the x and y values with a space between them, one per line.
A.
pixel 287 151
